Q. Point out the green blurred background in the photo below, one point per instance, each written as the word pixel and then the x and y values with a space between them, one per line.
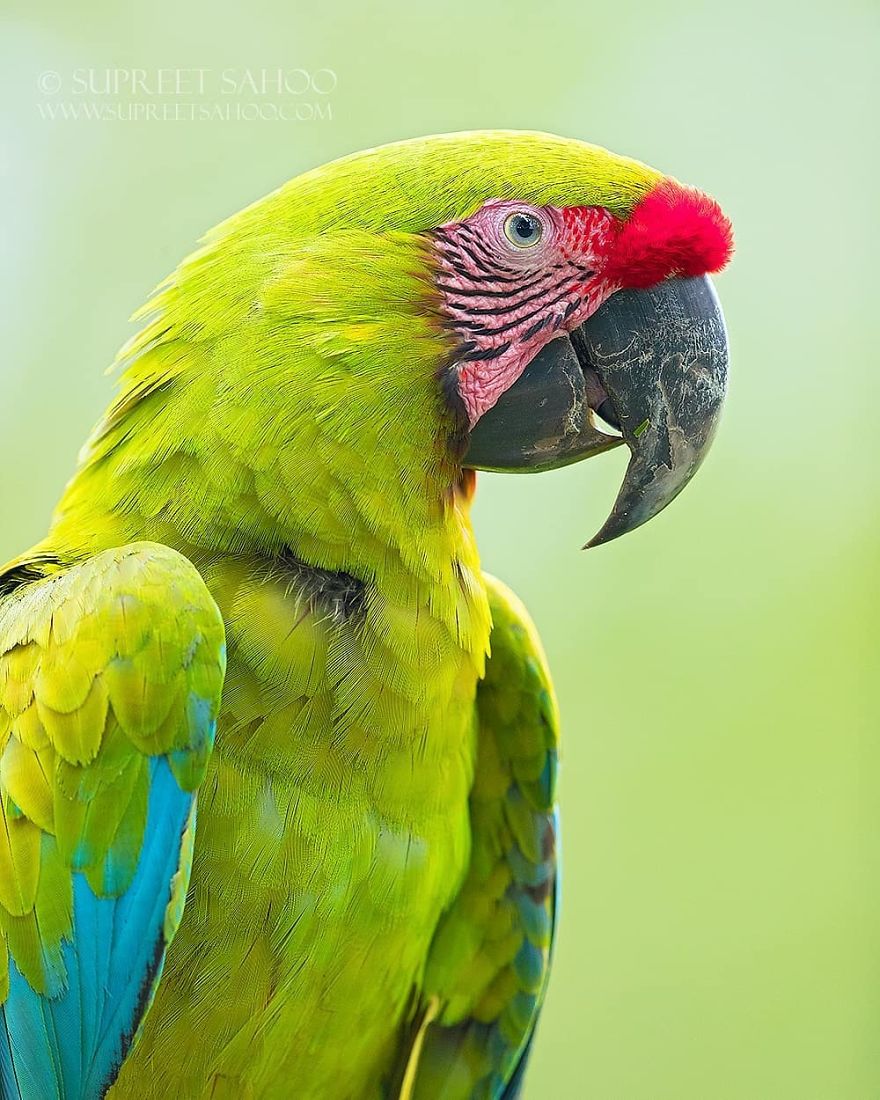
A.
pixel 716 670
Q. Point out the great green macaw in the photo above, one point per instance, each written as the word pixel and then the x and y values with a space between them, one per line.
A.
pixel 278 758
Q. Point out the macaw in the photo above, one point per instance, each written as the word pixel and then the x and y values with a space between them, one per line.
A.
pixel 278 759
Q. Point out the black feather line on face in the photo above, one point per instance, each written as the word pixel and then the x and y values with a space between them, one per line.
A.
pixel 478 292
pixel 477 280
pixel 572 307
pixel 482 355
pixel 513 303
pixel 534 329
pixel 479 329
pixel 478 245
pixel 481 261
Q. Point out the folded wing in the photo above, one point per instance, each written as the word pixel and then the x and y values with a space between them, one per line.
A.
pixel 110 678
pixel 487 971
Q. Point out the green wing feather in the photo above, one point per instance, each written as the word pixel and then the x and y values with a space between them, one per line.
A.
pixel 107 668
pixel 487 971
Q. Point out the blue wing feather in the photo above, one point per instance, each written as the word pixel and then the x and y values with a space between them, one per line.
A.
pixel 70 1047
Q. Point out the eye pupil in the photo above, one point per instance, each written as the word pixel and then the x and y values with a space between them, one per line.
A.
pixel 522 230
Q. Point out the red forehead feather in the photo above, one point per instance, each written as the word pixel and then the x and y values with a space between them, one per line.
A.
pixel 673 231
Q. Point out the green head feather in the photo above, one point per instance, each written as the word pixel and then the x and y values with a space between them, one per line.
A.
pixel 425 182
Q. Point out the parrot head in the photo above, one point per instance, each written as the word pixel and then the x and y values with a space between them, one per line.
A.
pixel 493 300
pixel 571 287
pixel 572 319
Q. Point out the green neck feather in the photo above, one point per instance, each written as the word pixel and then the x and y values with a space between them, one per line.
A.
pixel 245 431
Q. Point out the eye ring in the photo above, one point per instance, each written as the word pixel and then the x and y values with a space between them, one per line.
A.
pixel 522 229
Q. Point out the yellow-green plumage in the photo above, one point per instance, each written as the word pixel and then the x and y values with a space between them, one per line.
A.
pixel 281 425
pixel 89 688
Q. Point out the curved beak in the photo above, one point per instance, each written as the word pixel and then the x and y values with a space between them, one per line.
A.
pixel 651 364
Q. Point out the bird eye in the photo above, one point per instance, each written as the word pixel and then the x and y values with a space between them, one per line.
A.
pixel 523 230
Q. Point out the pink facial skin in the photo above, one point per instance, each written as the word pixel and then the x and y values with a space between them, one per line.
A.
pixel 505 301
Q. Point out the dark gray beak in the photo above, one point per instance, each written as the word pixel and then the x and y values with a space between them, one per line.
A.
pixel 651 364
